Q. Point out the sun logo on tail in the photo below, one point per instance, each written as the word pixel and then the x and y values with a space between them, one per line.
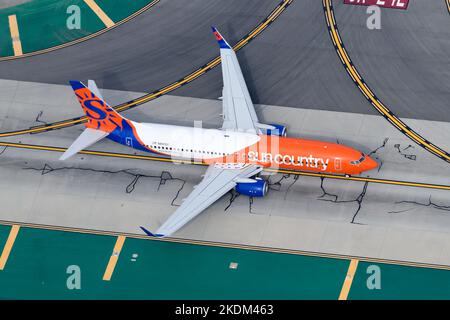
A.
pixel 100 115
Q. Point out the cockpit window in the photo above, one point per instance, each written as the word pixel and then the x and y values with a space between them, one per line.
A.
pixel 356 162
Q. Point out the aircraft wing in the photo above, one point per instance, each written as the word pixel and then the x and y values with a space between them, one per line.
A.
pixel 218 180
pixel 238 110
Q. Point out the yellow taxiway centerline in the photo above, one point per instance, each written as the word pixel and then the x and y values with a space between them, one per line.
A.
pixel 274 170
pixel 114 258
pixel 8 246
pixel 363 87
pixel 15 36
pixel 100 13
pixel 348 279
pixel 151 96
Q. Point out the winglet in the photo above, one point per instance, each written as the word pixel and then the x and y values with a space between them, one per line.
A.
pixel 222 42
pixel 151 234
pixel 76 84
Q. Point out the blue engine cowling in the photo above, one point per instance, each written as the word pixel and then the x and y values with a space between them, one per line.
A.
pixel 279 131
pixel 253 189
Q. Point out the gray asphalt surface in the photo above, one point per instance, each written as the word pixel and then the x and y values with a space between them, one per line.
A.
pixel 390 222
pixel 292 63
pixel 407 62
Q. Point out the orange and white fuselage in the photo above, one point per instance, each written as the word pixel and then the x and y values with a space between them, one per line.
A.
pixel 219 146
pixel 236 153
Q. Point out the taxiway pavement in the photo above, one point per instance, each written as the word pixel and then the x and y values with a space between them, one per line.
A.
pixel 120 195
pixel 293 63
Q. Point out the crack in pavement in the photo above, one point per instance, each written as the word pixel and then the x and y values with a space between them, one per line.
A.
pixel 234 195
pixel 374 152
pixel 250 204
pixel 380 147
pixel 276 186
pixel 412 157
pixel 163 177
pixel 324 192
pixel 430 204
pixel 335 199
pixel 39 115
pixel 3 151
pixel 296 177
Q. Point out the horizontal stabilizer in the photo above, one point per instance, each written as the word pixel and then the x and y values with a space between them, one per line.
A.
pixel 152 234
pixel 86 139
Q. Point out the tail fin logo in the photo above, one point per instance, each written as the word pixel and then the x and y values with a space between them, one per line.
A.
pixel 93 109
pixel 100 115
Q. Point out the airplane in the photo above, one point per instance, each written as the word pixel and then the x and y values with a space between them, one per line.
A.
pixel 236 153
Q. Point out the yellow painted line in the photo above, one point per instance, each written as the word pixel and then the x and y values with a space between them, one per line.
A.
pixel 8 246
pixel 15 35
pixel 181 161
pixel 79 40
pixel 380 107
pixel 228 245
pixel 348 279
pixel 151 96
pixel 100 13
pixel 367 93
pixel 363 179
pixel 114 258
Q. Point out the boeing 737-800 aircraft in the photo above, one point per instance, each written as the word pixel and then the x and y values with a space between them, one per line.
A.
pixel 235 153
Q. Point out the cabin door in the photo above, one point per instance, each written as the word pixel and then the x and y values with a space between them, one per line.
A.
pixel 337 164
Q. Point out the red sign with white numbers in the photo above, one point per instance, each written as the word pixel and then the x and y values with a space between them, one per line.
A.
pixel 392 4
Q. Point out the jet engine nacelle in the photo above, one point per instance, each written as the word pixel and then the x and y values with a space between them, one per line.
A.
pixel 254 188
pixel 280 130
